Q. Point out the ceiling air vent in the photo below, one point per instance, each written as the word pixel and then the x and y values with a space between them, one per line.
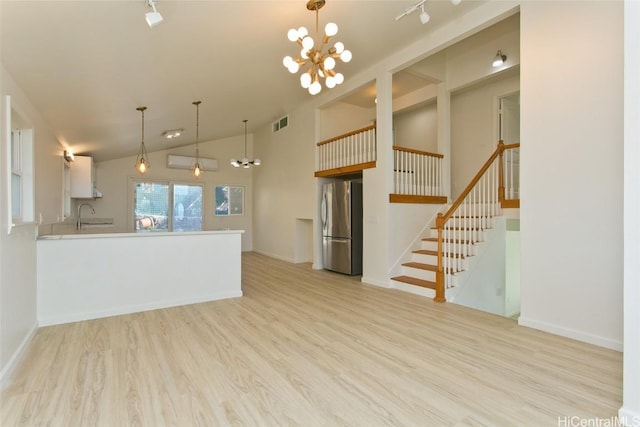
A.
pixel 280 124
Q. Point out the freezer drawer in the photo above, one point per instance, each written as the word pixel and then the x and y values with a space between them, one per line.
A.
pixel 337 255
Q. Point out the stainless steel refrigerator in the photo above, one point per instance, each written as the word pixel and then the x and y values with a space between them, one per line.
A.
pixel 341 212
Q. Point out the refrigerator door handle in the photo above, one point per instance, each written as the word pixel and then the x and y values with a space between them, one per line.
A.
pixel 323 211
pixel 338 240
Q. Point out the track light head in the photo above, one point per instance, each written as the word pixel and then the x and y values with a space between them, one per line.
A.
pixel 424 16
pixel 153 18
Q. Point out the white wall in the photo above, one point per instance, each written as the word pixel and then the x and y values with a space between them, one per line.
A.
pixel 417 128
pixel 631 397
pixel 18 249
pixel 473 133
pixel 285 188
pixel 571 170
pixel 113 179
pixel 340 118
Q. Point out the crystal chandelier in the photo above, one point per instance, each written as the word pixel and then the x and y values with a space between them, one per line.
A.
pixel 142 161
pixel 245 162
pixel 321 64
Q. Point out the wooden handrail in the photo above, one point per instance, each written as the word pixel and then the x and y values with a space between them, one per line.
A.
pixel 353 132
pixel 442 219
pixel 411 150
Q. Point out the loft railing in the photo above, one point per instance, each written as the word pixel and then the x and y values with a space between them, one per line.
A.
pixel 417 173
pixel 464 223
pixel 354 149
pixel 509 191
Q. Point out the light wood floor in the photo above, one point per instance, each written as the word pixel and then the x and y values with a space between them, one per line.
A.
pixel 309 348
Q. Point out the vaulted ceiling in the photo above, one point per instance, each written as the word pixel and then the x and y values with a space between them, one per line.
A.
pixel 87 65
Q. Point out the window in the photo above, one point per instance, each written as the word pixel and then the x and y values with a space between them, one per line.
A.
pixel 19 167
pixel 166 206
pixel 229 200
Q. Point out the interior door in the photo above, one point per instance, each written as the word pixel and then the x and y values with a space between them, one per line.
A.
pixel 510 119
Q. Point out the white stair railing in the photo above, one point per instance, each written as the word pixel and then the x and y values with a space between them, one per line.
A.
pixel 353 148
pixel 511 165
pixel 417 173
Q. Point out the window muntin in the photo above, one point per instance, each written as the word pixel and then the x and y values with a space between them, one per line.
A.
pixel 229 200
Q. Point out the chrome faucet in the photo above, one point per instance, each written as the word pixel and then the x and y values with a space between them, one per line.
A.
pixel 79 217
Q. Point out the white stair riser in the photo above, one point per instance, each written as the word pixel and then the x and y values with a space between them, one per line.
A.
pixel 424 258
pixel 481 222
pixel 454 247
pixel 473 235
pixel 456 264
pixel 419 273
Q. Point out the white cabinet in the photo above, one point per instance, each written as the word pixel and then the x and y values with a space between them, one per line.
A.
pixel 82 177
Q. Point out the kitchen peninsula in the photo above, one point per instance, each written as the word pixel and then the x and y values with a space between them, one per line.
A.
pixel 88 276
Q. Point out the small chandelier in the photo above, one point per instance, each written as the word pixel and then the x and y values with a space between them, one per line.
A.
pixel 245 162
pixel 142 161
pixel 197 170
pixel 321 65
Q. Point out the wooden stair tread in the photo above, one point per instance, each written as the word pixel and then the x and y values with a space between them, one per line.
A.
pixel 421 266
pixel 416 282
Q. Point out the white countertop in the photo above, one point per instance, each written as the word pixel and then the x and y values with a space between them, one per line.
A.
pixel 85 235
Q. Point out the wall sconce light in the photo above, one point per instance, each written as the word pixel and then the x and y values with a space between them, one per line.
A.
pixel 68 156
pixel 499 59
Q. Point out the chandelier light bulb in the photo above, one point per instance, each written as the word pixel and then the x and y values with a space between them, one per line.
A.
pixel 339 78
pixel 234 162
pixel 307 43
pixel 302 32
pixel 142 167
pixel 339 47
pixel 346 56
pixel 292 35
pixel 196 170
pixel 305 80
pixel 257 162
pixel 315 88
pixel 245 161
pixel 330 82
pixel 293 67
pixel 331 29
pixel 287 60
pixel 303 54
pixel 329 63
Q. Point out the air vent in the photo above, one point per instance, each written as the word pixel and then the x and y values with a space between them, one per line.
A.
pixel 280 124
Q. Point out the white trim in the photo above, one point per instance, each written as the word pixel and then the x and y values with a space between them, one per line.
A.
pixel 375 282
pixel 274 256
pixel 16 358
pixel 137 308
pixel 571 333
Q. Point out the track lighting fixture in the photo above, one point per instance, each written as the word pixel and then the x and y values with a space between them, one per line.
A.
pixel 424 16
pixel 499 59
pixel 142 161
pixel 153 18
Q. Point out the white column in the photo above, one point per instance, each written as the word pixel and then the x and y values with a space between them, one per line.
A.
pixel 631 375
pixel 444 136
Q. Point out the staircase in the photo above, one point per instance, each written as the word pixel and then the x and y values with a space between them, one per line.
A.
pixel 462 244
pixel 457 234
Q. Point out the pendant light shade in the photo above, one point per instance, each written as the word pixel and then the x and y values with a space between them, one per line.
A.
pixel 197 169
pixel 142 161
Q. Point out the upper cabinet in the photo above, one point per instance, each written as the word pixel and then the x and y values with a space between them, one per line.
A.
pixel 81 174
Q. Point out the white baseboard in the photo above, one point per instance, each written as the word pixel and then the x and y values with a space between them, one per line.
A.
pixel 137 308
pixel 571 333
pixel 628 417
pixel 16 358
pixel 416 290
pixel 379 283
pixel 270 255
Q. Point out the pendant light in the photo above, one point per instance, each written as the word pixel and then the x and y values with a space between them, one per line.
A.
pixel 197 170
pixel 245 162
pixel 142 161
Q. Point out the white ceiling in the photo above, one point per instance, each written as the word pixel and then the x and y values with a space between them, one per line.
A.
pixel 87 65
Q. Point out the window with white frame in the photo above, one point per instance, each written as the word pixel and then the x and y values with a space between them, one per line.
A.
pixel 229 200
pixel 17 148
pixel 167 206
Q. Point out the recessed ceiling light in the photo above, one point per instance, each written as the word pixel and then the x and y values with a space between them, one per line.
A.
pixel 171 134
